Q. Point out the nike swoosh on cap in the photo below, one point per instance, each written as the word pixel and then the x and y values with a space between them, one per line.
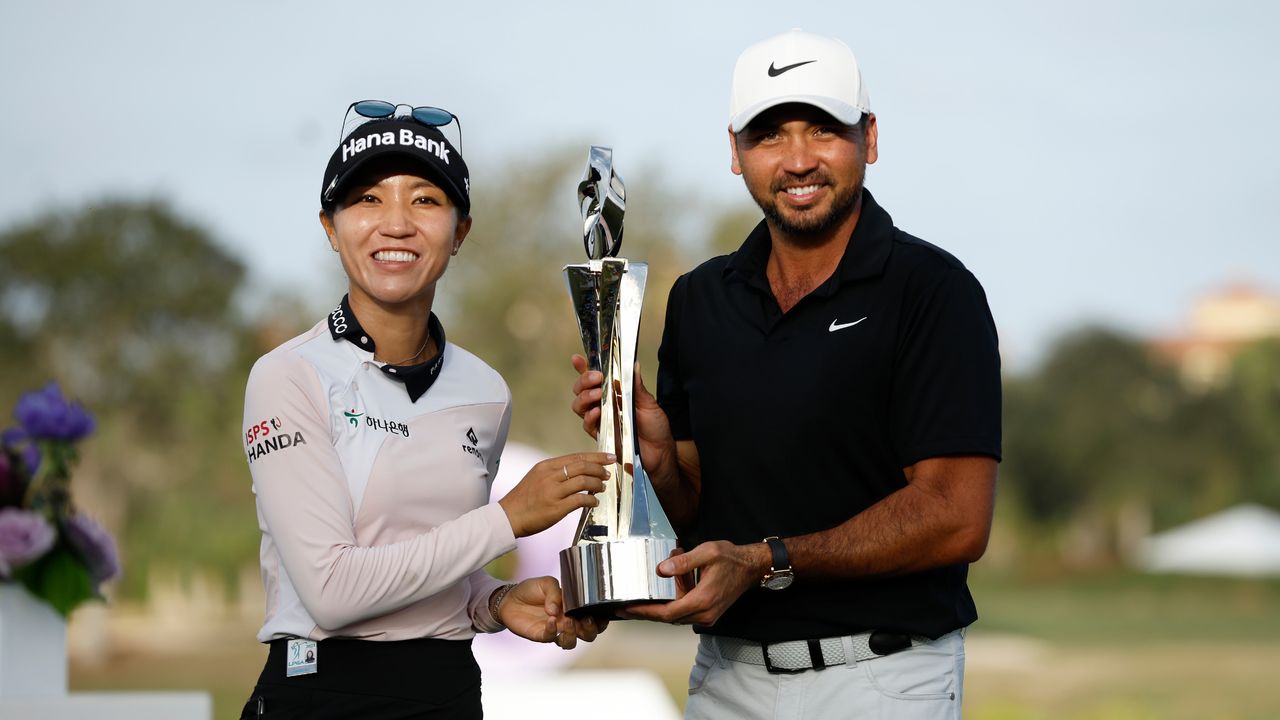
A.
pixel 776 71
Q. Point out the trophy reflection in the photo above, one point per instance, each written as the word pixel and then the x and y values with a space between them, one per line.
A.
pixel 620 542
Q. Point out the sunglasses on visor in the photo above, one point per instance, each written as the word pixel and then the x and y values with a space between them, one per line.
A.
pixel 365 110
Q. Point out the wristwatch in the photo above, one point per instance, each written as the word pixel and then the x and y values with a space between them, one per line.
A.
pixel 779 575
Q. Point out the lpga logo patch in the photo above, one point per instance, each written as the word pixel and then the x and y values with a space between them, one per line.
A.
pixel 302 658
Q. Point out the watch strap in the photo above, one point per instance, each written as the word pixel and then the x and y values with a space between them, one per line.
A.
pixel 781 560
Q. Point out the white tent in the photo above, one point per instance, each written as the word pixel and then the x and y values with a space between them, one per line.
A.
pixel 1243 540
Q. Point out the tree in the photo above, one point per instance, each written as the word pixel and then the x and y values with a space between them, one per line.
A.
pixel 118 296
pixel 1253 393
pixel 1075 426
pixel 504 297
pixel 130 307
pixel 1103 432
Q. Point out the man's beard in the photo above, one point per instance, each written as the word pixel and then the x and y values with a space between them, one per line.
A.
pixel 809 226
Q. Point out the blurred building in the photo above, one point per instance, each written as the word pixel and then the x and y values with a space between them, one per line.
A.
pixel 1222 322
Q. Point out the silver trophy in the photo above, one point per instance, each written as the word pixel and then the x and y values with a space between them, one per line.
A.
pixel 620 542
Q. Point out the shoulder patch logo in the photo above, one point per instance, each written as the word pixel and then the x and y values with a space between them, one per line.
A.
pixel 267 436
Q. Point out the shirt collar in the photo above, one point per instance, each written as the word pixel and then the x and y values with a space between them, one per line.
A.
pixel 863 258
pixel 417 379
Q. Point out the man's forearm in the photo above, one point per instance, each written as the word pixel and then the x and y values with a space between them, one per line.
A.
pixel 678 485
pixel 932 522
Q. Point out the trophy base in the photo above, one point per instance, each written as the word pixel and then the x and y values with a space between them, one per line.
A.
pixel 599 577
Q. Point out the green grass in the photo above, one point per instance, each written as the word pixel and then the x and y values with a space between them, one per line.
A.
pixel 1128 607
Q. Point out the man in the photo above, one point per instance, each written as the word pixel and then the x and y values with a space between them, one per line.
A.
pixel 827 425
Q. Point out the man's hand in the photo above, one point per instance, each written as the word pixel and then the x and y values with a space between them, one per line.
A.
pixel 673 467
pixel 726 571
pixel 657 446
pixel 534 611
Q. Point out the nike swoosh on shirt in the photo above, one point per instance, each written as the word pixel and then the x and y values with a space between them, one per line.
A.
pixel 776 71
pixel 840 326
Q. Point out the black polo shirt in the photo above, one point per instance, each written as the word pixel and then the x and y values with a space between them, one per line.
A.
pixel 805 419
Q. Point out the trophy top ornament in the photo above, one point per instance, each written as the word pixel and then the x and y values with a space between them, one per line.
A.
pixel 602 197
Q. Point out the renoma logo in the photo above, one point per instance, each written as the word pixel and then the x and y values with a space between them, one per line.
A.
pixel 355 146
pixel 474 440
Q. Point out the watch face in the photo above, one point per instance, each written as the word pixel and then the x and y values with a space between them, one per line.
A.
pixel 779 580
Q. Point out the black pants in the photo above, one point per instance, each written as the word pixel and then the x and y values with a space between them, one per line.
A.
pixel 371 679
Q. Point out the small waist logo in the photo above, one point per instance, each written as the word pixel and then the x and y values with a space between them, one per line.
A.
pixel 474 440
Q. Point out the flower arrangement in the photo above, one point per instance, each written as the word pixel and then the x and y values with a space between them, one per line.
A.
pixel 60 555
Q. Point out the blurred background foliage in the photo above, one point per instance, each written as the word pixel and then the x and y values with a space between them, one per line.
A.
pixel 153 324
pixel 149 320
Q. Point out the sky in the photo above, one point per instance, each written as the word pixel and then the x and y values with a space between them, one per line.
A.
pixel 1090 161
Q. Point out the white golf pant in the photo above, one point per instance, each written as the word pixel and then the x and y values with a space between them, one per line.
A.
pixel 923 682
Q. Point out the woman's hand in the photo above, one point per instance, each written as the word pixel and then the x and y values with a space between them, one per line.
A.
pixel 534 610
pixel 554 488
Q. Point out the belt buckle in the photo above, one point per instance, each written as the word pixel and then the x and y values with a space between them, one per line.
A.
pixel 768 664
pixel 884 643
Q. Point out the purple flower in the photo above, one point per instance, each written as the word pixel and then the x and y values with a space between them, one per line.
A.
pixel 46 415
pixel 95 545
pixel 17 440
pixel 24 536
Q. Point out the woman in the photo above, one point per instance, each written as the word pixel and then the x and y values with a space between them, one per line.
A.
pixel 373 443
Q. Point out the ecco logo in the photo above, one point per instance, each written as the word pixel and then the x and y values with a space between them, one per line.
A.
pixel 339 320
pixel 474 439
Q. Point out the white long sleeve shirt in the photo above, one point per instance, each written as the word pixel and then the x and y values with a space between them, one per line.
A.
pixel 374 507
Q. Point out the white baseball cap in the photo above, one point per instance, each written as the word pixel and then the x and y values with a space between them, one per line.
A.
pixel 797 67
